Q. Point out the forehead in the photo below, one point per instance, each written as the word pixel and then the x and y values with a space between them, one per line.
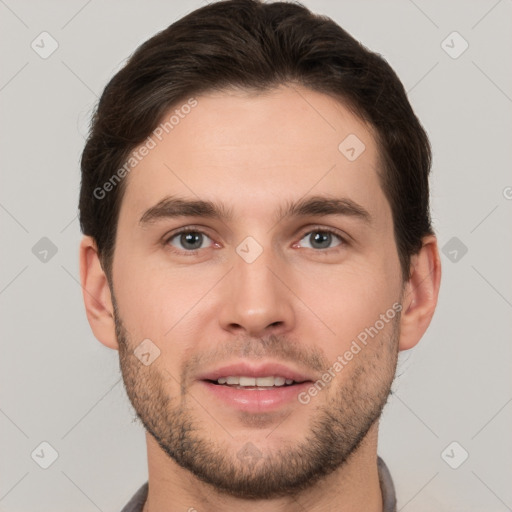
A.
pixel 250 150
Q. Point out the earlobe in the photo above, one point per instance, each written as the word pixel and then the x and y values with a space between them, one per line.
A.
pixel 96 294
pixel 420 293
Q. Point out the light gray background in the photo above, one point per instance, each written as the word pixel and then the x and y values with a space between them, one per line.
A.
pixel 59 385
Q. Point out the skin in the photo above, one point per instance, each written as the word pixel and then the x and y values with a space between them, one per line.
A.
pixel 297 303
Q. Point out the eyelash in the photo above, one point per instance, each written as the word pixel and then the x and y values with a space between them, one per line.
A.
pixel 320 229
pixel 188 229
pixel 191 229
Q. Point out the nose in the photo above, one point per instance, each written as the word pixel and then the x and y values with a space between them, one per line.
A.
pixel 256 300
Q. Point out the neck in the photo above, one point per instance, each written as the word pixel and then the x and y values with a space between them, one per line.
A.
pixel 351 488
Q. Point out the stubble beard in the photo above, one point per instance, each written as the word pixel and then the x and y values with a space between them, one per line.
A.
pixel 334 432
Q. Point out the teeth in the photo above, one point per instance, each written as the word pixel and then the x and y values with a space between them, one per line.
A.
pixel 269 381
pixel 264 382
pixel 247 381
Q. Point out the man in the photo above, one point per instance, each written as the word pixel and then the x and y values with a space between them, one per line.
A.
pixel 258 247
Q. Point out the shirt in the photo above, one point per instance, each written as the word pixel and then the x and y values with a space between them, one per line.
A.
pixel 386 486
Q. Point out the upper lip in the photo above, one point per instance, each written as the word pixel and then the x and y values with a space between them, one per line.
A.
pixel 248 369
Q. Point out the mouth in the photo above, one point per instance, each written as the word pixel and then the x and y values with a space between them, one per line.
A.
pixel 257 389
pixel 255 383
pixel 247 375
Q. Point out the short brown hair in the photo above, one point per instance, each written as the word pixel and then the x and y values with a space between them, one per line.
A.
pixel 256 46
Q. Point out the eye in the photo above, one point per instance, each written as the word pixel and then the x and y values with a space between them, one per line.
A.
pixel 189 240
pixel 321 239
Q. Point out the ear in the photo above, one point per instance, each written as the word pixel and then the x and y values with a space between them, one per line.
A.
pixel 420 293
pixel 96 294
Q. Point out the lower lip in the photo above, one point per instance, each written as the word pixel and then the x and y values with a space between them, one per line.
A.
pixel 256 400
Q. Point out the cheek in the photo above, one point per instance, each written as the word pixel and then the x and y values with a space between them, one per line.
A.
pixel 159 302
pixel 346 300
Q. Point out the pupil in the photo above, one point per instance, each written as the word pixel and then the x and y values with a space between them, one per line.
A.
pixel 321 240
pixel 193 240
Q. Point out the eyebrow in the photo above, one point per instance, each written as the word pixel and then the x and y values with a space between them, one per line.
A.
pixel 171 207
pixel 316 206
pixel 322 206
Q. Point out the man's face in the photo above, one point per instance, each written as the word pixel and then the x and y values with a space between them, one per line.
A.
pixel 265 289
